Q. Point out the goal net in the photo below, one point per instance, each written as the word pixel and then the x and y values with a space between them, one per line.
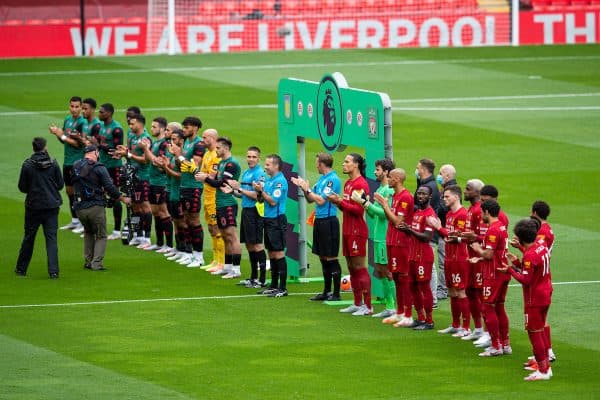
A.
pixel 202 26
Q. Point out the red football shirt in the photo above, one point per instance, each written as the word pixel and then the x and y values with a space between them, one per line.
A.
pixel 403 204
pixel 535 276
pixel 421 251
pixel 354 223
pixel 456 221
pixel 496 239
pixel 474 223
pixel 545 235
pixel 483 227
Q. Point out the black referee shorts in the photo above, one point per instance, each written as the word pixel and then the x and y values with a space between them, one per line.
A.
pixel 326 237
pixel 252 226
pixel 275 229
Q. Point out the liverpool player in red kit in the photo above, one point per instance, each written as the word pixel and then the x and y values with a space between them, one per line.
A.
pixel 355 233
pixel 533 272
pixel 540 210
pixel 398 244
pixel 495 280
pixel 421 258
pixel 472 233
pixel 456 264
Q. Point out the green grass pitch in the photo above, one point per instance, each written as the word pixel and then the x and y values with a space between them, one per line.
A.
pixel 525 119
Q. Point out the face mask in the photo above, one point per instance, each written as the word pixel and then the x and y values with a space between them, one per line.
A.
pixel 417 174
pixel 439 179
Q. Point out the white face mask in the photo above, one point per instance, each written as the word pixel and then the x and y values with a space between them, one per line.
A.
pixel 417 174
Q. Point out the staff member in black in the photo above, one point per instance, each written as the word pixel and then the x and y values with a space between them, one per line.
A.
pixel 42 181
pixel 91 181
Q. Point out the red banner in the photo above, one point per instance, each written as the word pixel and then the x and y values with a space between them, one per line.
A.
pixel 262 35
pixel 560 27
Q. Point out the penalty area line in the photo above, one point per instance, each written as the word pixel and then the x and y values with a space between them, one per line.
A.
pixel 201 298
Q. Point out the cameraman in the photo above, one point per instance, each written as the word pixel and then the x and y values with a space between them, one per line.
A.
pixel 91 181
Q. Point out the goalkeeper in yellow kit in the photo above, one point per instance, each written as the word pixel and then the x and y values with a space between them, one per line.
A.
pixel 210 162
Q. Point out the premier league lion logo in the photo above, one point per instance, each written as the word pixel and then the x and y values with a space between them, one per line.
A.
pixel 329 118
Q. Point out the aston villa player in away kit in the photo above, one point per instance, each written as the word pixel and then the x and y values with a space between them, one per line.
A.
pixel 421 258
pixel 355 234
pixel 533 272
pixel 495 280
pixel 456 264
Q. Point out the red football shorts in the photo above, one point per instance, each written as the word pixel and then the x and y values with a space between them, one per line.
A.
pixel 457 274
pixel 494 291
pixel 476 275
pixel 398 259
pixel 354 246
pixel 535 317
pixel 421 271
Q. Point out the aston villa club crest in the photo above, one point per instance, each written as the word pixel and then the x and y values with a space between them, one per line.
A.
pixel 287 106
pixel 329 113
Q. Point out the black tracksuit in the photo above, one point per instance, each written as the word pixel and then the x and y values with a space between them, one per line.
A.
pixel 41 179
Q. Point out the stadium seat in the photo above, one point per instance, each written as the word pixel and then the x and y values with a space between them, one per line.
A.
pixel 207 8
pixel 290 8
pixel 413 5
pixel 12 22
pixel 115 20
pixel 34 22
pixel 349 7
pixel 55 21
pixel 226 8
pixel 136 20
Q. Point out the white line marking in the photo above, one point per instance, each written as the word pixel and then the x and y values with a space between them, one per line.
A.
pixel 227 107
pixel 581 108
pixel 516 97
pixel 401 101
pixel 243 296
pixel 301 66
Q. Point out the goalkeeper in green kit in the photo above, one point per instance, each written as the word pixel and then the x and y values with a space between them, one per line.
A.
pixel 374 210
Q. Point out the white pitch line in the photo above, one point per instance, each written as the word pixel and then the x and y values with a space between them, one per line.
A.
pixel 301 66
pixel 430 100
pixel 581 108
pixel 181 108
pixel 515 97
pixel 244 296
pixel 87 303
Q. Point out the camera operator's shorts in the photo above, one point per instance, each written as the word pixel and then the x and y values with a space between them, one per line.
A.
pixel 158 194
pixel 141 191
pixel 275 229
pixel 190 199
pixel 115 175
pixel 175 209
pixel 68 175
pixel 226 216
pixel 251 231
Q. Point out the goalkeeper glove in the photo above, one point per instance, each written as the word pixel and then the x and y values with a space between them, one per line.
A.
pixel 359 197
pixel 189 166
